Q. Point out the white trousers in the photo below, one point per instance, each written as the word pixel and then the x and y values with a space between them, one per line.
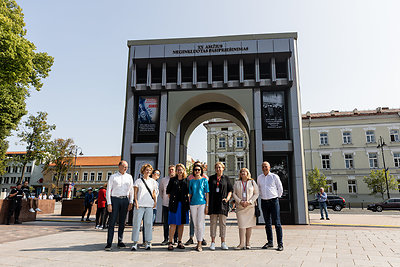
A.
pixel 198 217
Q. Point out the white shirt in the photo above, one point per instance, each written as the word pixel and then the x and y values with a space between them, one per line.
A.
pixel 144 198
pixel 270 186
pixel 163 191
pixel 120 185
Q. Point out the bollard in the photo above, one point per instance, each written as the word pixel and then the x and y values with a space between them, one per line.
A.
pixel 362 205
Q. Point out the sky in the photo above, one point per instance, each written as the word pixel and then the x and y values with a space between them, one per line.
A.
pixel 346 55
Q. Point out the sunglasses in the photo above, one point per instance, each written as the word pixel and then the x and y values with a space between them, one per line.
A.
pixel 197 170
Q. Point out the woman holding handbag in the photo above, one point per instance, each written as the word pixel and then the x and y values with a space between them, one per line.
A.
pixel 145 199
pixel 245 193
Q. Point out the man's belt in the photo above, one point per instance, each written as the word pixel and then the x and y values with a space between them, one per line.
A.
pixel 120 196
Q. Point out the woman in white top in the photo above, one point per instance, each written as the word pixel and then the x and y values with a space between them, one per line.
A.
pixel 245 193
pixel 144 201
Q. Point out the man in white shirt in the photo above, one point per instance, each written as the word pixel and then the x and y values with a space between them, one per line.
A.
pixel 165 203
pixel 119 200
pixel 271 190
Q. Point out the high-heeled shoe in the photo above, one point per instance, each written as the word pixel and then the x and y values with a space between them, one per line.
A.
pixel 240 247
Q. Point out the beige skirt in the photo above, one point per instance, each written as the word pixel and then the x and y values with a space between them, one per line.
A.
pixel 245 217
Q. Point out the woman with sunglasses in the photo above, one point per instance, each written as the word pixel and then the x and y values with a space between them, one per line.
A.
pixel 245 193
pixel 198 195
pixel 178 215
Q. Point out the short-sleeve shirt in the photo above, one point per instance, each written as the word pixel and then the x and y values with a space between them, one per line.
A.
pixel 144 198
pixel 198 189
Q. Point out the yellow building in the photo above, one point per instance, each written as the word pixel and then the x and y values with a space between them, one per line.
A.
pixel 89 172
pixel 343 145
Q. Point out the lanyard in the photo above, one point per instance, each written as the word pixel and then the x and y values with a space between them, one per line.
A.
pixel 244 185
pixel 218 180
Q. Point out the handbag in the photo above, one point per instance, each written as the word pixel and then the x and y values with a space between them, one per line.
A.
pixel 257 212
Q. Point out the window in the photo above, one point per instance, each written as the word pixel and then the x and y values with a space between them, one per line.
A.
pixel 187 72
pixel 224 129
pixel 172 73
pixel 218 71
pixel 202 72
pixel 348 161
pixel 85 176
pixel 13 180
pixel 141 74
pixel 156 73
pixel 6 180
pixel 265 68
pixel 233 71
pixel 8 169
pixel 223 161
pixel 1 180
pixel 221 142
pixel 15 169
pixel 99 176
pixel 109 175
pixel 239 142
pixel 240 163
pixel 92 174
pixel 323 139
pixel 326 161
pixel 28 169
pixel 329 186
pixel 394 135
pixel 346 137
pixel 398 184
pixel 281 68
pixel 352 186
pixel 373 160
pixel 54 178
pixel 370 136
pixel 396 157
pixel 69 176
pixel 249 70
pixel 28 179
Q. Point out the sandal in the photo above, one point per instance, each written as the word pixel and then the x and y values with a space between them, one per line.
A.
pixel 170 246
pixel 180 245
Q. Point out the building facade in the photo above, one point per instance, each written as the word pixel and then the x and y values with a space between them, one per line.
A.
pixel 90 171
pixel 227 143
pixel 33 174
pixel 343 145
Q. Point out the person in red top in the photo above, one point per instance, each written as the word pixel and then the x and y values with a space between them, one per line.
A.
pixel 101 207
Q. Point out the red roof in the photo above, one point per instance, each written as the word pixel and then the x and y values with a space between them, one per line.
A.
pixel 354 113
pixel 98 161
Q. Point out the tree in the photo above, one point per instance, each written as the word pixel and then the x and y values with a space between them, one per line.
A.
pixel 316 180
pixel 20 69
pixel 35 133
pixel 376 181
pixel 60 160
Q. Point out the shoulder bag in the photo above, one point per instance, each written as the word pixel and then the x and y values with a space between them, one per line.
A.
pixel 148 189
pixel 257 212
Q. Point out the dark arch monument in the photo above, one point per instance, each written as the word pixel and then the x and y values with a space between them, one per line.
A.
pixel 173 85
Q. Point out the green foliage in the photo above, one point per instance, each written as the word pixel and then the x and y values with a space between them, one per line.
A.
pixel 60 159
pixel 376 182
pixel 35 133
pixel 20 69
pixel 316 180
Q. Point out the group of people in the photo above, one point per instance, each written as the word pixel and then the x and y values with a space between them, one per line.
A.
pixel 15 202
pixel 198 195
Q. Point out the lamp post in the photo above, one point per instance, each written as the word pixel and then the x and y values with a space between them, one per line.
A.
pixel 381 144
pixel 76 155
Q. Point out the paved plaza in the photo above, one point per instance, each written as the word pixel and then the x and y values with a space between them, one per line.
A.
pixel 54 240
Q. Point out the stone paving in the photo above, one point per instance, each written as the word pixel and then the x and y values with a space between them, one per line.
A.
pixel 68 242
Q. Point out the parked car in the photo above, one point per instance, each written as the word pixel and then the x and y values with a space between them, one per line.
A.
pixel 389 204
pixel 334 202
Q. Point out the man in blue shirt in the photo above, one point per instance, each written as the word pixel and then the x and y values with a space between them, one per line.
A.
pixel 322 198
pixel 89 199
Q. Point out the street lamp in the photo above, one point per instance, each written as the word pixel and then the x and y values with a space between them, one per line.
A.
pixel 381 144
pixel 76 155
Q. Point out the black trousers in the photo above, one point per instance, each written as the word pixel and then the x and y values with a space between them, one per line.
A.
pixel 100 216
pixel 88 208
pixel 119 210
pixel 166 225
pixel 14 208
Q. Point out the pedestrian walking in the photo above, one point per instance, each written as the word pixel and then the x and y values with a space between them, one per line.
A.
pixel 322 199
pixel 88 203
pixel 101 207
